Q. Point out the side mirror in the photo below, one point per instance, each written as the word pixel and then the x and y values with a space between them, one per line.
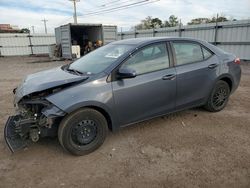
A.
pixel 124 73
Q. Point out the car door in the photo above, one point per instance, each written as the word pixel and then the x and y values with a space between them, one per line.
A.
pixel 196 68
pixel 152 92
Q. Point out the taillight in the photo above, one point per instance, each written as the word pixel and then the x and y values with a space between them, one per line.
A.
pixel 237 61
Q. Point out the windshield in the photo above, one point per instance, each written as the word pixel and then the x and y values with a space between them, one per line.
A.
pixel 100 59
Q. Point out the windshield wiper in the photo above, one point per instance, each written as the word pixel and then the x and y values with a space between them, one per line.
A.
pixel 74 70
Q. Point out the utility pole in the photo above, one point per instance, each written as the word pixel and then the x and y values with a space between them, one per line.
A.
pixel 75 16
pixel 33 29
pixel 45 26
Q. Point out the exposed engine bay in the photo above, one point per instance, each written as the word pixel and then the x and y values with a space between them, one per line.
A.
pixel 35 118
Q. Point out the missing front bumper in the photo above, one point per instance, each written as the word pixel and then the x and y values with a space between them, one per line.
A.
pixel 13 139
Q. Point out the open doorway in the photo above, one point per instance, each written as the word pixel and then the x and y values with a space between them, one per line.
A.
pixel 87 37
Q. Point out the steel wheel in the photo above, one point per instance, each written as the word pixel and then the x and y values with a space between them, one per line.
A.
pixel 84 132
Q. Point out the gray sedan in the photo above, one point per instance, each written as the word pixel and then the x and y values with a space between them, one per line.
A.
pixel 117 85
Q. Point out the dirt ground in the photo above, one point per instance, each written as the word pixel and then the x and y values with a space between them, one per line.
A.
pixel 192 148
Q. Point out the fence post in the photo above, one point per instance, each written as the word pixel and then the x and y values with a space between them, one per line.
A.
pixel 180 28
pixel 216 30
pixel 135 33
pixel 31 46
pixel 121 34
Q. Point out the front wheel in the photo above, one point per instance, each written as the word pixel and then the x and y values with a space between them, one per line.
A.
pixel 82 131
pixel 219 97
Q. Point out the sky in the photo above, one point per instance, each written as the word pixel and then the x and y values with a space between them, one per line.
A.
pixel 28 13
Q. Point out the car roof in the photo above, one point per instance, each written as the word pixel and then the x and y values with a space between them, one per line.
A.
pixel 143 41
pixel 137 42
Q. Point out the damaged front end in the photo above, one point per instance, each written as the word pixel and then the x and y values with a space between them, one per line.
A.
pixel 36 118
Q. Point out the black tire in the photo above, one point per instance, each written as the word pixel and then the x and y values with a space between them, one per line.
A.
pixel 74 128
pixel 219 97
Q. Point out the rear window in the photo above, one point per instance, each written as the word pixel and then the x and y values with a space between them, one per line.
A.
pixel 206 53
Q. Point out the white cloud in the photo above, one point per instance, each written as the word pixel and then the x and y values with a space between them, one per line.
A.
pixel 184 9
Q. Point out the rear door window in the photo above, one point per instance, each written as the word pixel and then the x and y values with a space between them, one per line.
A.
pixel 187 52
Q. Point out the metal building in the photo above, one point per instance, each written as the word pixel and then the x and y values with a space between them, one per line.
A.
pixel 233 36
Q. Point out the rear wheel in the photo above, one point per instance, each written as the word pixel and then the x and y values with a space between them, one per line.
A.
pixel 82 131
pixel 219 97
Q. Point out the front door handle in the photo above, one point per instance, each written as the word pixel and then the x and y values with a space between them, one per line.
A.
pixel 212 66
pixel 169 77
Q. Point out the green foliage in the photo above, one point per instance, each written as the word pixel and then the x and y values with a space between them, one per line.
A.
pixel 220 18
pixel 172 21
pixel 25 30
pixel 150 23
pixel 199 21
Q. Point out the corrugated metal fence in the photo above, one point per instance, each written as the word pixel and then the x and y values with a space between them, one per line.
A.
pixel 233 36
pixel 25 44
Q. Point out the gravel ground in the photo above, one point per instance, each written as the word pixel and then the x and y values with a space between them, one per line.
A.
pixel 192 148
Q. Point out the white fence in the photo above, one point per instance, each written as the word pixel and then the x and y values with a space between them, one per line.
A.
pixel 25 44
pixel 233 37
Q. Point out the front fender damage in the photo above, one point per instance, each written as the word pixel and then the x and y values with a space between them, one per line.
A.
pixel 35 119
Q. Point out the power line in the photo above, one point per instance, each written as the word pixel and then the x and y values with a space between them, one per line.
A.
pixel 140 3
pixel 109 5
pixel 99 4
pixel 113 2
pixel 45 26
pixel 107 10
pixel 65 20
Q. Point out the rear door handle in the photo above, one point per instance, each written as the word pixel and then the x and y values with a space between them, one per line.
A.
pixel 212 66
pixel 169 77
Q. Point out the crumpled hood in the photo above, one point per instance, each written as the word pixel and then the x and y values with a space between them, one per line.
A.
pixel 43 80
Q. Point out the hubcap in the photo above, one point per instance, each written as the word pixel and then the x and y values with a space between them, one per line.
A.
pixel 84 132
pixel 220 97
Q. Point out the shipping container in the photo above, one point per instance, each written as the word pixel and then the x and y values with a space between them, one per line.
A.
pixel 80 34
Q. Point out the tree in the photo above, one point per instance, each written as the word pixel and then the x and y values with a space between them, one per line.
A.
pixel 156 23
pixel 149 23
pixel 220 18
pixel 25 30
pixel 199 21
pixel 172 21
